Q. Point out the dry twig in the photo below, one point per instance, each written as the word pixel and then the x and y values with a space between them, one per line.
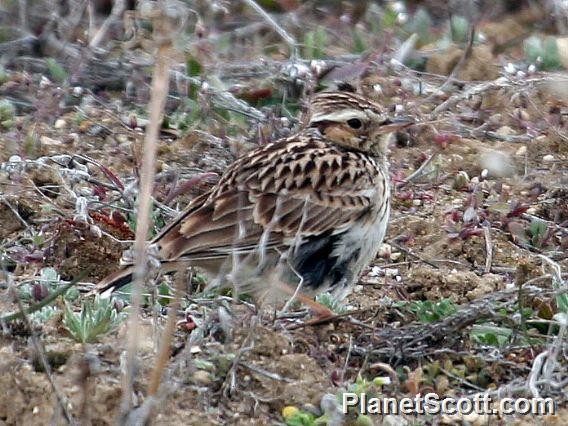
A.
pixel 281 31
pixel 164 20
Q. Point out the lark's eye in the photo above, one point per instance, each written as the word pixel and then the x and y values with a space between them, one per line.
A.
pixel 354 123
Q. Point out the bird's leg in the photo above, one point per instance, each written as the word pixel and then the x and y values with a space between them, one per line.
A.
pixel 322 313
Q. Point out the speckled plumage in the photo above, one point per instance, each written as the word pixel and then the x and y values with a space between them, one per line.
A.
pixel 313 206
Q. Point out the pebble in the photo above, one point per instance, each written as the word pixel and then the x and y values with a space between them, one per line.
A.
pixel 202 377
pixel 376 271
pixel 49 141
pixel 60 124
pixel 122 138
pixel 505 131
pixel 521 151
pixel 496 119
pixel 44 82
pixel 385 250
pixel 391 272
pixel 84 191
pixel 548 158
pixel 522 114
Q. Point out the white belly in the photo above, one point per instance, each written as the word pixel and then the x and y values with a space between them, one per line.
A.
pixel 366 239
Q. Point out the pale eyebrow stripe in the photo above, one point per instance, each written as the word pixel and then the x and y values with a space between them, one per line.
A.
pixel 340 115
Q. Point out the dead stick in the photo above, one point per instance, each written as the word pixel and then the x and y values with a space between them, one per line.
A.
pixel 159 91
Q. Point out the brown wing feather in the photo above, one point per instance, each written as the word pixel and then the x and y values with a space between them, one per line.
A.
pixel 286 187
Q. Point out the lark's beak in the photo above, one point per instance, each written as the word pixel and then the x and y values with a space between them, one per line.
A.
pixel 394 124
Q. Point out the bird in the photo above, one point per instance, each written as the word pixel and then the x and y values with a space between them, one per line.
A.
pixel 299 216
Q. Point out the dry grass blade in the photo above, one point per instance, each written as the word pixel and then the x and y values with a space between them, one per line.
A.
pixel 285 36
pixel 164 24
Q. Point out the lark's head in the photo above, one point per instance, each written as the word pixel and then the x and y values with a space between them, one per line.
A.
pixel 353 121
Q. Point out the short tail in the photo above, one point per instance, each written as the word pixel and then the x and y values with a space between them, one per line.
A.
pixel 125 275
pixel 115 281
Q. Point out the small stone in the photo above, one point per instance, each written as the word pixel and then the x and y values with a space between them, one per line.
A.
pixel 202 378
pixel 385 250
pixel 311 408
pixel 518 100
pixel 122 138
pixel 442 384
pixel 521 151
pixel 60 124
pixel 395 256
pixel 391 272
pixel 496 119
pixel 522 114
pixel 505 131
pixel 416 203
pixel 49 141
pixel 376 271
pixel 548 158
pixel 44 82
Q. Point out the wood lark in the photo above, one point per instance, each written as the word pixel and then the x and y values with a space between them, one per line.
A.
pixel 302 215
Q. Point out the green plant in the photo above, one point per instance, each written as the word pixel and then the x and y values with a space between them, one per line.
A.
pixel 96 318
pixel 4 76
pixel 538 230
pixel 194 68
pixel 429 312
pixel 359 45
pixel 49 280
pixel 56 71
pixel 389 19
pixel 296 417
pixel 536 234
pixel 459 27
pixel 421 25
pixel 79 117
pixel 43 315
pixel 314 43
pixel 487 334
pixel 7 113
pixel 62 289
pixel 561 298
pixel 329 301
pixel 545 54
pixel 31 143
